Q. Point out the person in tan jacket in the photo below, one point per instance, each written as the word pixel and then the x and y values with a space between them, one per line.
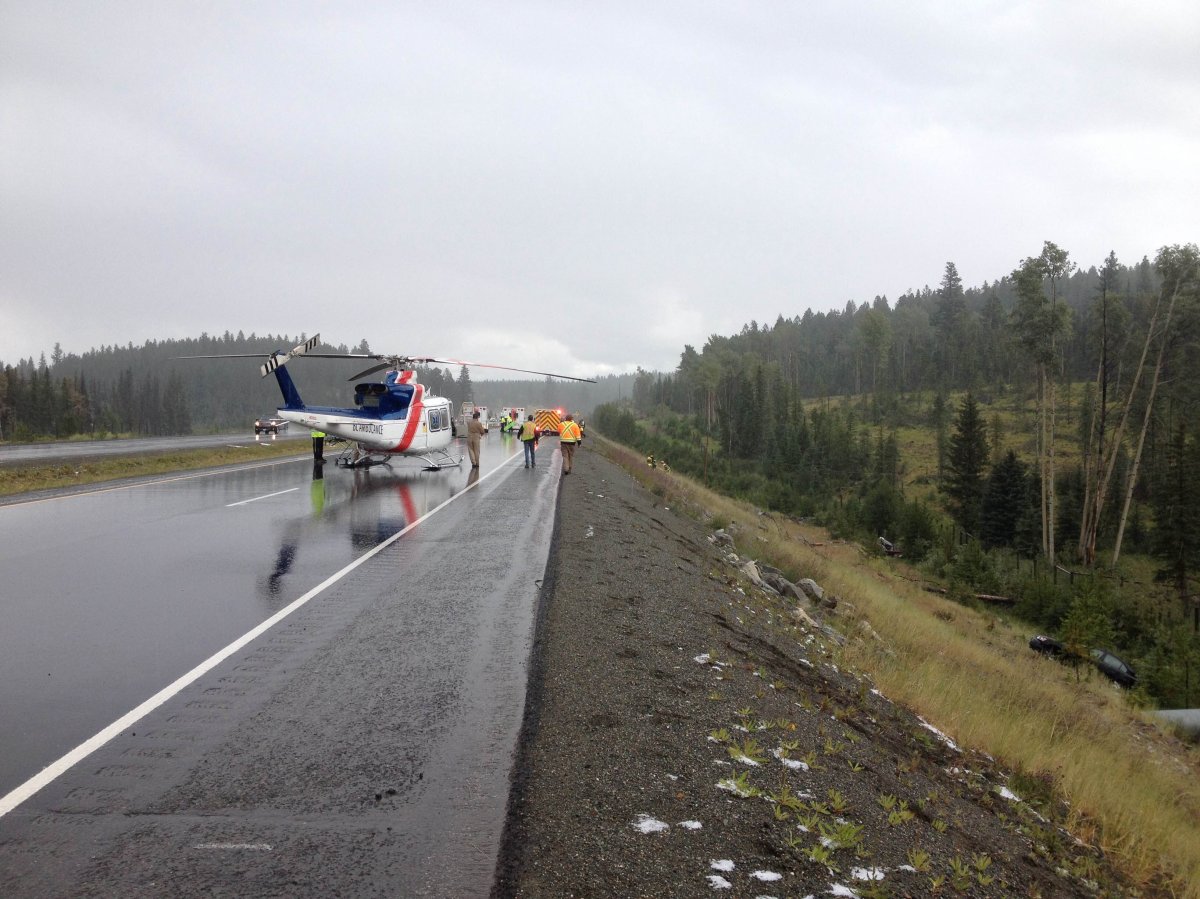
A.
pixel 475 432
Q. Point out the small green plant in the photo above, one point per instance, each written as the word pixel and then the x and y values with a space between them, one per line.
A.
pixel 846 835
pixel 748 750
pixel 821 856
pixel 838 802
pixel 981 862
pixel 789 800
pixel 939 825
pixel 854 766
pixel 740 783
pixel 721 735
pixel 887 802
pixel 900 814
pixel 960 874
pixel 781 813
pixel 919 859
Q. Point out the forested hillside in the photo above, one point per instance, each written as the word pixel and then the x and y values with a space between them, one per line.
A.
pixel 1049 416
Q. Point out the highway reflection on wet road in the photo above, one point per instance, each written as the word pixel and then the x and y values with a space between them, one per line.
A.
pixel 108 596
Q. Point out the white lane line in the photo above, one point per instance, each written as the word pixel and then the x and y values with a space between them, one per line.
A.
pixel 255 847
pixel 264 496
pixel 183 477
pixel 54 770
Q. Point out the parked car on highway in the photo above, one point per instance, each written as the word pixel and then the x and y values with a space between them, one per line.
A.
pixel 270 424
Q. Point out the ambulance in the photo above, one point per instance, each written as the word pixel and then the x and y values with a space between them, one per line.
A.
pixel 516 417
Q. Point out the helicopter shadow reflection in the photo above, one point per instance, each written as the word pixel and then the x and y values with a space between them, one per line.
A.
pixel 370 506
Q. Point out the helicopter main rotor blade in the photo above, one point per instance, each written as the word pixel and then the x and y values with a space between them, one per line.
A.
pixel 370 371
pixel 527 371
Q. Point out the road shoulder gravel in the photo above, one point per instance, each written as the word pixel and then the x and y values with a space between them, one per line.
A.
pixel 687 733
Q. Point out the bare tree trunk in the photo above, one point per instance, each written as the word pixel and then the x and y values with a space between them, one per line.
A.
pixel 1137 456
pixel 1108 464
pixel 1091 474
pixel 1052 402
pixel 1041 455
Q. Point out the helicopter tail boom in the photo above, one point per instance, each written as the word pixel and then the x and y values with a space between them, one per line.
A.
pixel 291 396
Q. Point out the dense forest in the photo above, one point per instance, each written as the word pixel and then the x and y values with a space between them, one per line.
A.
pixel 1063 443
pixel 151 390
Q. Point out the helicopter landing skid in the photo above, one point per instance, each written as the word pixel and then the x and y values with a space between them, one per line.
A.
pixel 434 461
pixel 363 460
pixel 439 460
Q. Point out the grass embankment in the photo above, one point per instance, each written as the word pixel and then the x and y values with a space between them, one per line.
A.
pixel 1131 789
pixel 15 479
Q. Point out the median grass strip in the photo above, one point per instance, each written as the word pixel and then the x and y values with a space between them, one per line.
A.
pixel 27 478
pixel 1117 780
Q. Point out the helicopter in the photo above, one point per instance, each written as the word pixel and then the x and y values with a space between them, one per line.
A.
pixel 392 417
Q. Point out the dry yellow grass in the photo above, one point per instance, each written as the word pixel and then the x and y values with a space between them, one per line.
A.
pixel 1133 789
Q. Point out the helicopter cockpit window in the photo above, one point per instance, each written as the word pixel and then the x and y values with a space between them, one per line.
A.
pixel 435 419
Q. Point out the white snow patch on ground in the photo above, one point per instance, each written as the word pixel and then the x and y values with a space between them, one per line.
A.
pixel 794 764
pixel 745 760
pixel 730 785
pixel 703 658
pixel 766 876
pixel 719 883
pixel 722 864
pixel 836 889
pixel 1008 794
pixel 647 824
pixel 589 532
pixel 868 873
pixel 691 825
pixel 945 739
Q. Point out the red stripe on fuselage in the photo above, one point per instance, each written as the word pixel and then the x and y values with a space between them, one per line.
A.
pixel 415 409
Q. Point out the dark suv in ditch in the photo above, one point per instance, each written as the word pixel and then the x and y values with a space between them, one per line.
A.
pixel 1107 663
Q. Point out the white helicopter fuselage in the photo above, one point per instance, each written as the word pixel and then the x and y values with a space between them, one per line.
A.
pixel 429 429
pixel 395 417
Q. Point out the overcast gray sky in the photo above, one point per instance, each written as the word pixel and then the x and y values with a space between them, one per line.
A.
pixel 584 186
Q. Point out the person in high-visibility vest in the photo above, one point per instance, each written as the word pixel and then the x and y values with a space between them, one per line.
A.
pixel 529 436
pixel 569 436
pixel 318 438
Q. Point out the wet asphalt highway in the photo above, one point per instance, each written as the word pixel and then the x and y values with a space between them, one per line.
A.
pixel 362 744
pixel 54 451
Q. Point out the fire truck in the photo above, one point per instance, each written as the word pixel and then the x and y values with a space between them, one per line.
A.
pixel 548 421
